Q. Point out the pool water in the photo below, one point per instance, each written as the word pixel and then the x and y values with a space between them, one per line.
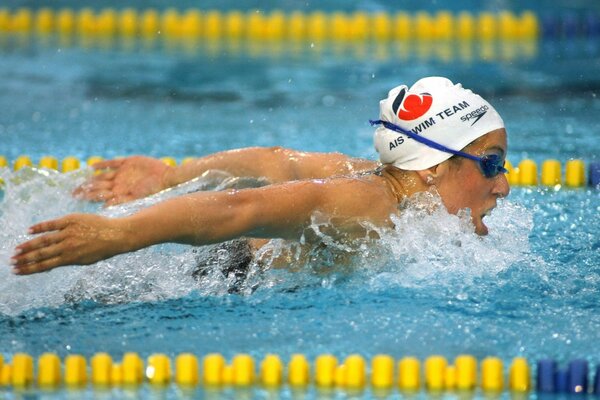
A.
pixel 528 289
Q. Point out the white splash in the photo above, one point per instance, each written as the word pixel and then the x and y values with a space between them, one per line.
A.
pixel 427 244
pixel 431 246
pixel 160 272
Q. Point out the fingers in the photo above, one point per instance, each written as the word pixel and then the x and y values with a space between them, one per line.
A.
pixel 38 254
pixel 104 176
pixel 43 247
pixel 96 185
pixel 47 226
pixel 40 241
pixel 98 195
pixel 61 243
pixel 103 195
pixel 110 193
pixel 97 188
pixel 100 182
pixel 40 266
pixel 118 199
pixel 112 196
pixel 108 164
pixel 43 252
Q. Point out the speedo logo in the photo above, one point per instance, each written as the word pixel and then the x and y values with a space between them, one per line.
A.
pixel 475 115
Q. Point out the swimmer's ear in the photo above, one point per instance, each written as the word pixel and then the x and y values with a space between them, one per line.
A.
pixel 432 175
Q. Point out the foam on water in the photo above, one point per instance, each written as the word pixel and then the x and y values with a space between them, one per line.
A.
pixel 428 246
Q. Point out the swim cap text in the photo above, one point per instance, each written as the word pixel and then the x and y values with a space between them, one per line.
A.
pixel 428 123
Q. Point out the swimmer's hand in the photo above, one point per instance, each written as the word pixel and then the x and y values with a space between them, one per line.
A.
pixel 76 239
pixel 125 179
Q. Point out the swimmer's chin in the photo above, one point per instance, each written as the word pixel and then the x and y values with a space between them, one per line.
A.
pixel 480 227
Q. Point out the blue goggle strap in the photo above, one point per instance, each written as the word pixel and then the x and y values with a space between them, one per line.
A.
pixel 423 140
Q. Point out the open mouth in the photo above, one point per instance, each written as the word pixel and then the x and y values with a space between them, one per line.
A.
pixel 483 229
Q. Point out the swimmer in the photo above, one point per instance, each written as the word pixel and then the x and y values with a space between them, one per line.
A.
pixel 433 136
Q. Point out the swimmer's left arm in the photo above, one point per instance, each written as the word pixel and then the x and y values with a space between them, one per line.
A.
pixel 278 211
pixel 202 218
pixel 199 218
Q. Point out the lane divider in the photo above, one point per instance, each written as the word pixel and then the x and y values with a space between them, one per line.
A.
pixel 524 174
pixel 354 374
pixel 297 25
pixel 444 51
pixel 278 25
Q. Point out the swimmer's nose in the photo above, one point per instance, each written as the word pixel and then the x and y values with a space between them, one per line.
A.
pixel 501 186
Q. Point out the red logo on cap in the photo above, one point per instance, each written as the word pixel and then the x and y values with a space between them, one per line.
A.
pixel 414 106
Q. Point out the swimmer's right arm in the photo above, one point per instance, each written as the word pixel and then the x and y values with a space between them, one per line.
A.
pixel 277 211
pixel 134 177
pixel 276 164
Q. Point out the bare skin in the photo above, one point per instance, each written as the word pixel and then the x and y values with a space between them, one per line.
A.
pixel 131 178
pixel 280 210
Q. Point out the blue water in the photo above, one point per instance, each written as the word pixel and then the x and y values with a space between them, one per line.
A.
pixel 432 287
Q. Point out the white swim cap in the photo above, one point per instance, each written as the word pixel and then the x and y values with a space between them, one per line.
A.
pixel 437 109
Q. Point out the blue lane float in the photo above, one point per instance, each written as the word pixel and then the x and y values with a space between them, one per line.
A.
pixel 546 373
pixel 561 381
pixel 570 25
pixel 591 25
pixel 578 377
pixel 594 174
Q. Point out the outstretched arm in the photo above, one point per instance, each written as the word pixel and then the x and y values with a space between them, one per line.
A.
pixel 277 211
pixel 134 177
pixel 276 164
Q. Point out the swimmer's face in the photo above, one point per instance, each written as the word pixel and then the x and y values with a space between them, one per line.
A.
pixel 461 183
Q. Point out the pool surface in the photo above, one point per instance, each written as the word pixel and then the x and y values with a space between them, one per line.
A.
pixel 529 289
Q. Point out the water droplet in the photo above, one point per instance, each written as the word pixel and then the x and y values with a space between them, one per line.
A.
pixel 328 101
pixel 569 128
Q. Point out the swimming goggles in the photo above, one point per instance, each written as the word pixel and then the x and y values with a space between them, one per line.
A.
pixel 490 164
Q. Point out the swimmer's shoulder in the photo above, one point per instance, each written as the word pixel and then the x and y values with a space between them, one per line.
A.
pixel 362 196
pixel 359 197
